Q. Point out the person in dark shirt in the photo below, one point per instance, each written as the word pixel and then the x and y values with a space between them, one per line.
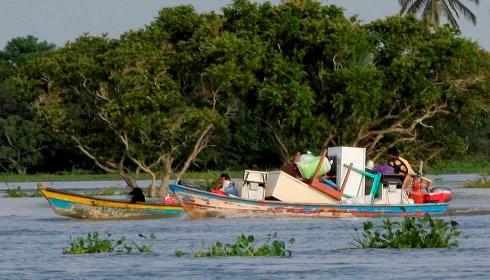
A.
pixel 400 165
pixel 137 195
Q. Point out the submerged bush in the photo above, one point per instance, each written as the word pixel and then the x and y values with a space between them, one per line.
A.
pixel 482 182
pixel 245 246
pixel 104 192
pixel 19 192
pixel 15 192
pixel 93 243
pixel 420 232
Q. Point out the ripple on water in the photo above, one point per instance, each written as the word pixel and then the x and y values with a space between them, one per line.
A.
pixel 32 238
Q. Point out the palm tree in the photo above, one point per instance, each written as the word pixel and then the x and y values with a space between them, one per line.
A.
pixel 432 10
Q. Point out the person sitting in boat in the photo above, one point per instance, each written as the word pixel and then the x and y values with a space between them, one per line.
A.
pixel 137 195
pixel 227 185
pixel 399 164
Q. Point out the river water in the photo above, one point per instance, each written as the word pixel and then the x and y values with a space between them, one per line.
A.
pixel 32 237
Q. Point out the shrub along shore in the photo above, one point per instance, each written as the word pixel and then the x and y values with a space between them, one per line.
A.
pixel 470 165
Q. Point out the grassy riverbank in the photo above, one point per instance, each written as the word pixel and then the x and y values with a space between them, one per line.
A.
pixel 81 175
pixel 479 165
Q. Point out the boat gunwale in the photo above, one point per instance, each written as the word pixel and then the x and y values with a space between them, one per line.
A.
pixel 42 188
pixel 292 204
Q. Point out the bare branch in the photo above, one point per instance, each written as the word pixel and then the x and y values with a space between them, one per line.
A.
pixel 88 154
pixel 199 145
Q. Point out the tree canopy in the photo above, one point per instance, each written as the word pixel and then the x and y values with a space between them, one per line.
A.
pixel 253 84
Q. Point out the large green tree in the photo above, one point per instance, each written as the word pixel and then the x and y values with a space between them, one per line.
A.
pixel 22 138
pixel 147 101
pixel 329 80
pixel 252 85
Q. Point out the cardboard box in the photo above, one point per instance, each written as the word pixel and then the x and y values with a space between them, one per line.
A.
pixel 284 187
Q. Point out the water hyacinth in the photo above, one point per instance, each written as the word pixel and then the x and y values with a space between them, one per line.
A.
pixel 244 246
pixel 15 193
pixel 412 232
pixel 94 243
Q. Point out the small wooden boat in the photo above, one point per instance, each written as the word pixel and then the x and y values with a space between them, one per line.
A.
pixel 201 204
pixel 86 207
pixel 281 194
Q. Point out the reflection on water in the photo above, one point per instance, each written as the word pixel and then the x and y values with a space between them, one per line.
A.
pixel 32 238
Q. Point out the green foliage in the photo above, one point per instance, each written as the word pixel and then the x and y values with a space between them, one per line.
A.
pixel 465 164
pixel 420 232
pixel 94 243
pixel 482 182
pixel 22 138
pixel 105 192
pixel 179 253
pixel 21 143
pixel 15 193
pixel 145 243
pixel 19 49
pixel 245 246
pixel 80 175
pixel 36 193
pixel 247 87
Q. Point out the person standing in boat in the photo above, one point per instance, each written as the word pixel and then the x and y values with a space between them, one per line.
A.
pixel 400 165
pixel 227 185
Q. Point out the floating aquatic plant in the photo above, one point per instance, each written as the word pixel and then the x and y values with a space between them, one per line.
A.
pixel 15 193
pixel 482 182
pixel 18 192
pixel 244 246
pixel 105 192
pixel 94 243
pixel 412 232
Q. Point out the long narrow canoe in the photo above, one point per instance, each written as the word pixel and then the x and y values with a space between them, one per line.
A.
pixel 86 207
pixel 201 204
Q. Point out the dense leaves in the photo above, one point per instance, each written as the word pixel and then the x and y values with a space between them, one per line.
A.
pixel 95 243
pixel 421 232
pixel 248 87
pixel 245 246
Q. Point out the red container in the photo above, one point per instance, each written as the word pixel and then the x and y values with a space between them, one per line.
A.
pixel 170 200
pixel 218 191
pixel 437 197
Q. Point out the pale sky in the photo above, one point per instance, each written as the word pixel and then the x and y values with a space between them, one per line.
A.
pixel 59 21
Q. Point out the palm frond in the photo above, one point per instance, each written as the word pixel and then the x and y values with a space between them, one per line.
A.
pixel 404 4
pixel 468 14
pixel 432 10
pixel 418 4
pixel 450 17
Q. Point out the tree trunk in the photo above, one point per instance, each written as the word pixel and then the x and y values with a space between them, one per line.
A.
pixel 167 172
pixel 200 144
pixel 128 178
pixel 153 190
